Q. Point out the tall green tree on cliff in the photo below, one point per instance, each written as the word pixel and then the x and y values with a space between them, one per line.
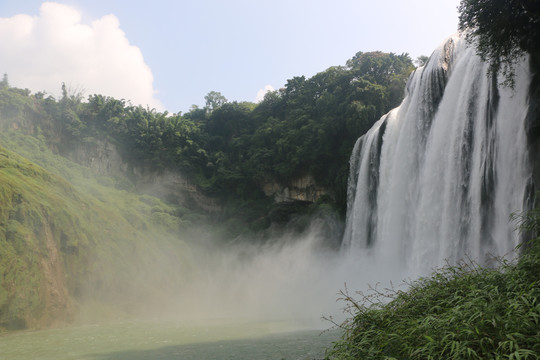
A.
pixel 503 31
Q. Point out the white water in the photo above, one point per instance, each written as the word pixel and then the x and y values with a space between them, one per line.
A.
pixel 437 178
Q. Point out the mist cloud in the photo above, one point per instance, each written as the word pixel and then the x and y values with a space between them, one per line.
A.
pixel 41 52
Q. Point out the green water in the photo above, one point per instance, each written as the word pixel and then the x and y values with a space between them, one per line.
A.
pixel 138 340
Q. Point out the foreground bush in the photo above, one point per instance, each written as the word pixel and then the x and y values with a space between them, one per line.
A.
pixel 460 312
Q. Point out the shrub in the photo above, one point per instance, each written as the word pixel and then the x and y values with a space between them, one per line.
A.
pixel 459 312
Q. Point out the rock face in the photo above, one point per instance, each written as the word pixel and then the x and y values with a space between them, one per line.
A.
pixel 101 156
pixel 533 123
pixel 58 305
pixel 172 186
pixel 302 189
pixel 104 159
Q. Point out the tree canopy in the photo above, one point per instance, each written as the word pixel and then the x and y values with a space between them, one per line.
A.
pixel 502 31
pixel 229 149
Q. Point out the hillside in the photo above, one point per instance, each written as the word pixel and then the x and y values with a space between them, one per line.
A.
pixel 65 247
pixel 294 145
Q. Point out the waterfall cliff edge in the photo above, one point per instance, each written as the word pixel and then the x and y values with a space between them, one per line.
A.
pixel 436 179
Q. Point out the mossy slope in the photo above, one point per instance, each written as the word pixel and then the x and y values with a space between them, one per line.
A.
pixel 61 247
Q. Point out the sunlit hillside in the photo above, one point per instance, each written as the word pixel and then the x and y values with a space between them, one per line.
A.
pixel 68 244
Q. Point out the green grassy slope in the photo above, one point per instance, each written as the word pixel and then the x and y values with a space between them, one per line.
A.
pixel 65 244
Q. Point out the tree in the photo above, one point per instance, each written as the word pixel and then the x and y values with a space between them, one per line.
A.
pixel 502 31
pixel 214 100
pixel 4 84
pixel 421 60
pixel 380 68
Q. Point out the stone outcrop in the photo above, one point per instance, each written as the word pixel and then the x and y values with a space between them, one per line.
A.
pixel 172 186
pixel 57 302
pixel 104 159
pixel 301 189
pixel 101 156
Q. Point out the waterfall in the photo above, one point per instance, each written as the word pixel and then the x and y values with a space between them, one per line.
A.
pixel 436 179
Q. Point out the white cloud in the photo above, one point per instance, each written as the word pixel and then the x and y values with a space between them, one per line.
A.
pixel 41 52
pixel 262 92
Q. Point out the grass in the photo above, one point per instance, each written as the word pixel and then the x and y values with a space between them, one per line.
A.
pixel 459 312
pixel 105 238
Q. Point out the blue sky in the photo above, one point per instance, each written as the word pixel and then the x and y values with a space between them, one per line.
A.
pixel 170 54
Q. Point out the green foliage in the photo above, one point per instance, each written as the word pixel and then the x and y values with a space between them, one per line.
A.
pixel 502 31
pixel 214 100
pixel 459 312
pixel 421 60
pixel 101 238
pixel 528 222
pixel 462 312
pixel 5 82
pixel 311 125
pixel 230 149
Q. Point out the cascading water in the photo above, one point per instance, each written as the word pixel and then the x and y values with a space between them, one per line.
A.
pixel 437 178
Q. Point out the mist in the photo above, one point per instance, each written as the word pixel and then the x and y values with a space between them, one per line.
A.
pixel 293 277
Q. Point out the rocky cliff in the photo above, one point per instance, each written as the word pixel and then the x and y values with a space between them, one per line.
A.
pixel 104 159
pixel 301 189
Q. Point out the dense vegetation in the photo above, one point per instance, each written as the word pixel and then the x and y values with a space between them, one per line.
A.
pixel 459 312
pixel 66 245
pixel 503 32
pixel 229 149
